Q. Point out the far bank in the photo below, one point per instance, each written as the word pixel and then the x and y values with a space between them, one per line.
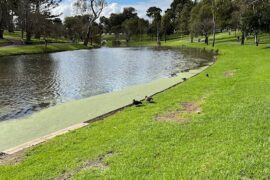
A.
pixel 39 49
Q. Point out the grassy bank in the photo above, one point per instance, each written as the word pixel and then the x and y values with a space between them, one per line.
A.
pixel 36 49
pixel 216 127
pixel 16 37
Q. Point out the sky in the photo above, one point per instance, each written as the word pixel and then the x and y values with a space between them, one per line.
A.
pixel 116 6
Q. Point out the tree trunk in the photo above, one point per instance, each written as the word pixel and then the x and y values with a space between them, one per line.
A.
pixel 1 33
pixel 86 41
pixel 191 38
pixel 243 38
pixel 127 38
pixel 11 28
pixel 214 22
pixel 28 37
pixel 214 34
pixel 214 39
pixel 46 45
pixel 165 38
pixel 22 34
pixel 256 38
pixel 214 25
pixel 11 24
pixel 158 39
pixel 91 40
pixel 206 39
pixel 140 35
pixel 38 35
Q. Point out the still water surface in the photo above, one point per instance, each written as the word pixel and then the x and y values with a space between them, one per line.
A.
pixel 30 83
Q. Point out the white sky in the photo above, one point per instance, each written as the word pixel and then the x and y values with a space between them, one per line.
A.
pixel 66 7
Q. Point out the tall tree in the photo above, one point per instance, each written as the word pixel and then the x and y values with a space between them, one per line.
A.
pixel 167 24
pixel 4 15
pixel 143 26
pixel 202 19
pixel 92 8
pixel 155 14
pixel 181 14
pixel 130 27
pixel 214 15
pixel 33 16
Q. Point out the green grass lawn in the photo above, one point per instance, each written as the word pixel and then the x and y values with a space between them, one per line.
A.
pixel 229 139
pixel 36 49
pixel 35 46
pixel 16 36
pixel 3 41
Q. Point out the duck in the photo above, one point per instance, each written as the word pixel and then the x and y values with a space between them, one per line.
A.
pixel 184 79
pixel 149 99
pixel 136 103
pixel 207 75
pixel 2 154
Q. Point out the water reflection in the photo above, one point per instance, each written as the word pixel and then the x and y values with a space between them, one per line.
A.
pixel 32 82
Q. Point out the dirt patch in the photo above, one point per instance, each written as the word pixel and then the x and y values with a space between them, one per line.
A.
pixel 98 164
pixel 13 159
pixel 229 73
pixel 192 107
pixel 85 166
pixel 172 117
pixel 182 115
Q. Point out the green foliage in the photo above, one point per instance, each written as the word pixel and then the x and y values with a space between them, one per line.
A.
pixel 201 19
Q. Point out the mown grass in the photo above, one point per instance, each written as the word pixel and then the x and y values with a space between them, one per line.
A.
pixel 36 49
pixel 3 41
pixel 36 46
pixel 16 36
pixel 228 140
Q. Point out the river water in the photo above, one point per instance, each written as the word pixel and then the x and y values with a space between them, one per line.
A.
pixel 30 83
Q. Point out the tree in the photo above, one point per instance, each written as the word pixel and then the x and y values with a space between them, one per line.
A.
pixel 130 27
pixel 105 23
pixel 34 16
pixel 155 13
pixel 184 16
pixel 125 22
pixel 57 28
pixel 143 26
pixel 129 12
pixel 92 8
pixel 166 23
pixel 76 27
pixel 130 24
pixel 12 7
pixel 253 17
pixel 226 16
pixel 214 14
pixel 4 16
pixel 181 14
pixel 201 19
